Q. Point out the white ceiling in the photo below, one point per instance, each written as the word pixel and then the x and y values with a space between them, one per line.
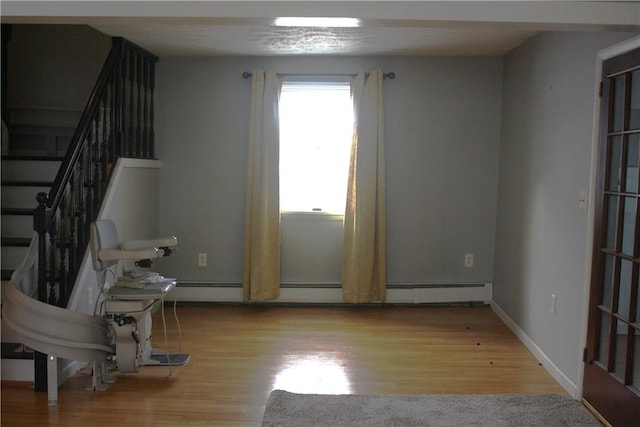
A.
pixel 209 28
pixel 260 40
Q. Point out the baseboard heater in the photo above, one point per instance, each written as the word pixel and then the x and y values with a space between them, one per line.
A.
pixel 399 293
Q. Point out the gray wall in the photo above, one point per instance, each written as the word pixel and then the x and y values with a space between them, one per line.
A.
pixel 442 135
pixel 545 160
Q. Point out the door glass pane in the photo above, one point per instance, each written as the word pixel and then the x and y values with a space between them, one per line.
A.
pixel 617 121
pixel 615 163
pixel 632 162
pixel 629 226
pixel 634 114
pixel 603 343
pixel 612 221
pixel 607 281
pixel 620 349
pixel 624 296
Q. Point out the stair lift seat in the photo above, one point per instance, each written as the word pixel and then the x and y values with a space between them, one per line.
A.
pixel 130 300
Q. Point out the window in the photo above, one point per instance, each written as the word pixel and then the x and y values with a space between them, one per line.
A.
pixel 316 127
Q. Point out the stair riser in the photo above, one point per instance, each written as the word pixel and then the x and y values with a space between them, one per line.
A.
pixel 21 197
pixel 29 170
pixel 17 226
pixel 12 257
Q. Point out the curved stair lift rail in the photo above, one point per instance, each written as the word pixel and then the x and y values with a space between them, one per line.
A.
pixel 57 332
pixel 54 330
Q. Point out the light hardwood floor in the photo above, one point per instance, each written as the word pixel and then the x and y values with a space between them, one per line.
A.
pixel 239 353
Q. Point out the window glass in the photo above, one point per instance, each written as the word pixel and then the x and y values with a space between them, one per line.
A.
pixel 316 127
pixel 615 162
pixel 618 103
pixel 632 163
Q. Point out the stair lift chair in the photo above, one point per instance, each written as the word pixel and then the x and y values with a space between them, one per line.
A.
pixel 130 298
pixel 121 336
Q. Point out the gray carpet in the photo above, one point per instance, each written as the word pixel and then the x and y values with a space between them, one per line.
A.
pixel 286 409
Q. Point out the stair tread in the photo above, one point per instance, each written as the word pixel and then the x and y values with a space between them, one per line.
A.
pixel 16 241
pixel 22 183
pixel 33 157
pixel 18 211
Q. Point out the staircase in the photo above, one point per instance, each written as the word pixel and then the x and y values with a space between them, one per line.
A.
pixel 68 170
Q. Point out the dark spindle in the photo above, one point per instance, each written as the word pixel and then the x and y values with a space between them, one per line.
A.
pixel 51 279
pixel 145 108
pixel 73 224
pixel 132 131
pixel 62 250
pixel 139 103
pixel 152 82
pixel 118 110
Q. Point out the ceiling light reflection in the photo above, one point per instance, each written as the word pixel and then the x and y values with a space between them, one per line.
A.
pixel 318 374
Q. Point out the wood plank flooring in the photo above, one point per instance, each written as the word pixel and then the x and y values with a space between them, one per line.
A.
pixel 239 353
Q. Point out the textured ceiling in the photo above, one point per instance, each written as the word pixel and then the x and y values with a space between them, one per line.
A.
pixel 243 27
pixel 253 40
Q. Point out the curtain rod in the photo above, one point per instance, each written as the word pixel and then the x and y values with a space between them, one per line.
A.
pixel 390 75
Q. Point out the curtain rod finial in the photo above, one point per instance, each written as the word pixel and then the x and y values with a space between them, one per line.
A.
pixel 246 74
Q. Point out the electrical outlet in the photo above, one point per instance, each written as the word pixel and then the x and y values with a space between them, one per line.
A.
pixel 202 259
pixel 554 303
pixel 582 200
pixel 468 260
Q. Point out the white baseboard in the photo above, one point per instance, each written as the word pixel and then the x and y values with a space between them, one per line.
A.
pixel 332 293
pixel 553 370
pixel 17 370
pixel 441 293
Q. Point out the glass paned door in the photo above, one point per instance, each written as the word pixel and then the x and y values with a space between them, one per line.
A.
pixel 612 355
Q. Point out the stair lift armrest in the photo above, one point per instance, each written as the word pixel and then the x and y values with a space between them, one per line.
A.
pixel 163 243
pixel 122 254
pixel 160 242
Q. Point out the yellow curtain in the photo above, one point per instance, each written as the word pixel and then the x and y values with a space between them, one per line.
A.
pixel 364 272
pixel 261 270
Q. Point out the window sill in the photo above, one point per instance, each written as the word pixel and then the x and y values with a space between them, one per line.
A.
pixel 313 216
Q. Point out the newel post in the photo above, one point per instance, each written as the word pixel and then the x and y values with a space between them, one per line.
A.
pixel 41 221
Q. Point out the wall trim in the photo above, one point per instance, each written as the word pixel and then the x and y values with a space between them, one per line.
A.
pixel 551 367
pixel 419 293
